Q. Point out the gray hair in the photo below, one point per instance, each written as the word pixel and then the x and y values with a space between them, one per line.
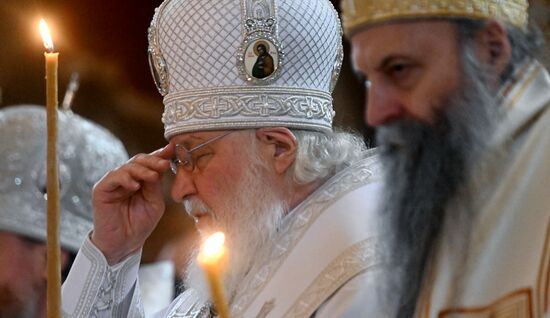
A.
pixel 321 155
pixel 526 43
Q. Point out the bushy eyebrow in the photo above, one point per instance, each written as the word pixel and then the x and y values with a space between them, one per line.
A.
pixel 188 142
pixel 203 144
pixel 191 137
pixel 386 61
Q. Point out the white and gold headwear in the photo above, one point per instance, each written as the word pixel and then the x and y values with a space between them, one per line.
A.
pixel 232 64
pixel 86 151
pixel 358 13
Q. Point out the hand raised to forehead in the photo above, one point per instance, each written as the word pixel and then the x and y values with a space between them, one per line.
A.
pixel 128 203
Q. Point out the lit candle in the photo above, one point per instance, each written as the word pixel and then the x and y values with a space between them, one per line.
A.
pixel 211 258
pixel 53 248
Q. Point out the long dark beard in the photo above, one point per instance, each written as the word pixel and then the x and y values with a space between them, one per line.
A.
pixel 426 167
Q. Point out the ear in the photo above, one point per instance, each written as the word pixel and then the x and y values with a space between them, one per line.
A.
pixel 494 47
pixel 281 148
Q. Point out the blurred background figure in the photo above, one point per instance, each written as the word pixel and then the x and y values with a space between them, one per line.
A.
pixel 86 152
pixel 461 106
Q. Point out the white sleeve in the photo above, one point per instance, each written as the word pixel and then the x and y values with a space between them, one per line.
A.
pixel 359 297
pixel 95 289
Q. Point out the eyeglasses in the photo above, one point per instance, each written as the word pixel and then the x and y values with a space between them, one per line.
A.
pixel 184 158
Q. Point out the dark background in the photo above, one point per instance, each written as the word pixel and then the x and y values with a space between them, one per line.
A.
pixel 105 41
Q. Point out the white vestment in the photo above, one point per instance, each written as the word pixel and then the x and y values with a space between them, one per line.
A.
pixel 157 282
pixel 506 272
pixel 323 262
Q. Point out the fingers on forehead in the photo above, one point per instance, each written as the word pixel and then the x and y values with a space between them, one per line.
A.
pixel 147 160
pixel 165 153
pixel 142 172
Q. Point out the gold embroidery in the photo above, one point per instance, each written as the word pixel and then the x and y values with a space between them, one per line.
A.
pixel 424 303
pixel 516 77
pixel 358 258
pixel 266 309
pixel 358 175
pixel 544 276
pixel 517 304
pixel 356 13
pixel 524 85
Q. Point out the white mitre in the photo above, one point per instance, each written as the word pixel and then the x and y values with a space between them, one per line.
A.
pixel 236 64
pixel 86 152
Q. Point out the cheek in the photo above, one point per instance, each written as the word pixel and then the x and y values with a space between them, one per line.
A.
pixel 20 278
pixel 217 184
pixel 433 94
pixel 446 78
pixel 21 263
pixel 12 257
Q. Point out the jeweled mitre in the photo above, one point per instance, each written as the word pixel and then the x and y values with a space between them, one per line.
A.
pixel 357 13
pixel 85 153
pixel 236 64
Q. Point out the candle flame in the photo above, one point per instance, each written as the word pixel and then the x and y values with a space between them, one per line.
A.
pixel 213 249
pixel 46 36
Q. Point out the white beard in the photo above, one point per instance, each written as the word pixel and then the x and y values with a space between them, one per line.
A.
pixel 249 220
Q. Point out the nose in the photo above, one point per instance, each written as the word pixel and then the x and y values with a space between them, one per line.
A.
pixel 382 106
pixel 182 186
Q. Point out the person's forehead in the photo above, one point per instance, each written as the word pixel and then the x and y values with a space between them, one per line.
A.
pixel 190 139
pixel 408 37
pixel 406 25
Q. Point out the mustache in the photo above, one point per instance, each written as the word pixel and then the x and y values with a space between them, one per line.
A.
pixel 194 206
pixel 406 132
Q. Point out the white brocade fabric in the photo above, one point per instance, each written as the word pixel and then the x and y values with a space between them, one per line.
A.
pixel 212 33
pixel 324 263
pixel 84 156
pixel 95 289
pixel 507 268
pixel 202 61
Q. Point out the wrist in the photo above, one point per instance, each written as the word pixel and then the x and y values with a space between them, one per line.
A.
pixel 112 255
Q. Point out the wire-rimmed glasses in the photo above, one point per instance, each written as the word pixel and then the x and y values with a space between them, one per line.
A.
pixel 184 158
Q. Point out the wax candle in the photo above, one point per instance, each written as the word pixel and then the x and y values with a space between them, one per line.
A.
pixel 53 218
pixel 212 258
